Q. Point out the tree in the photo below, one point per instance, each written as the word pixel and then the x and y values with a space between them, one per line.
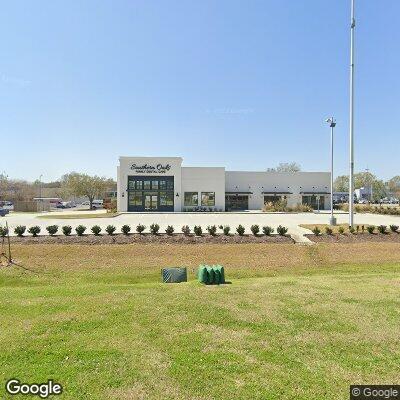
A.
pixel 394 186
pixel 84 185
pixel 286 167
pixel 341 184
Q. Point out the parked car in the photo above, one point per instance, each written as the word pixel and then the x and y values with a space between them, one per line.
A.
pixel 3 212
pixel 97 204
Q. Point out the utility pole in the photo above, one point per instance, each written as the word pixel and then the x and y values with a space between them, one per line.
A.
pixel 351 178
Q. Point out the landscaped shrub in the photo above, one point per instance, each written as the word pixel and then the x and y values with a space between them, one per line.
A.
pixel 255 229
pixel 96 230
pixel 154 228
pixel 282 230
pixel 186 230
pixel 212 230
pixel 20 230
pixel 169 230
pixel 66 230
pixel 341 230
pixel 80 230
pixel 226 230
pixel 197 230
pixel 371 229
pixel 3 231
pixel 316 231
pixel 110 229
pixel 352 229
pixel 125 229
pixel 328 230
pixel 394 228
pixel 240 230
pixel 382 229
pixel 34 230
pixel 268 230
pixel 140 228
pixel 52 229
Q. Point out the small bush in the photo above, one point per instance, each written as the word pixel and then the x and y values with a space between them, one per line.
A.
pixel 328 230
pixel 186 230
pixel 212 230
pixel 197 230
pixel 96 230
pixel 371 229
pixel 394 228
pixel 240 230
pixel 255 229
pixel 3 231
pixel 154 228
pixel 169 230
pixel 363 228
pixel 20 230
pixel 80 230
pixel 66 230
pixel 352 229
pixel 226 230
pixel 221 227
pixel 282 230
pixel 316 231
pixel 268 230
pixel 52 229
pixel 125 229
pixel 341 230
pixel 34 230
pixel 110 229
pixel 382 229
pixel 140 228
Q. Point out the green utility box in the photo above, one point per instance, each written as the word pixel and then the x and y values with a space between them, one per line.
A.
pixel 211 275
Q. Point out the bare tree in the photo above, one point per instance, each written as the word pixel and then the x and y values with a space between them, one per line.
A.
pixel 286 167
pixel 85 185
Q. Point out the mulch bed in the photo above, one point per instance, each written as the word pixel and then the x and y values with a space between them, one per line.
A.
pixel 355 238
pixel 148 238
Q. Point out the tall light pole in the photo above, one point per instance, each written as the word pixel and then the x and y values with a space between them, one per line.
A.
pixel 40 185
pixel 351 178
pixel 332 123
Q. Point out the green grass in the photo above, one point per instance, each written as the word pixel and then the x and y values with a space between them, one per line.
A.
pixel 296 322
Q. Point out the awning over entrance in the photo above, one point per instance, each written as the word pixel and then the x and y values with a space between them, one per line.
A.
pixel 277 193
pixel 238 193
pixel 312 193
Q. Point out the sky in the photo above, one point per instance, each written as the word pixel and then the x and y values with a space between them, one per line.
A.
pixel 240 84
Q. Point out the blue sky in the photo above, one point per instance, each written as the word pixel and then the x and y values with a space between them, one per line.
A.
pixel 240 84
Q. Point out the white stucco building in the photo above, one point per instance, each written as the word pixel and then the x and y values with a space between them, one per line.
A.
pixel 157 184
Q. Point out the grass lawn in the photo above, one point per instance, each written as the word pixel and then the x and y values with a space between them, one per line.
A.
pixel 297 322
pixel 79 216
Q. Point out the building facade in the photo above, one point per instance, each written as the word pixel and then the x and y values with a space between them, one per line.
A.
pixel 162 184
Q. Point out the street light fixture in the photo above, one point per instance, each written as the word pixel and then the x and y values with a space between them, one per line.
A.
pixel 332 123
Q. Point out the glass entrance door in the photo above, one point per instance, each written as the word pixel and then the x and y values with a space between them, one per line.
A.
pixel 150 202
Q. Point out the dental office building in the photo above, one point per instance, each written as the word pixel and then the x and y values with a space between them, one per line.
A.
pixel 162 184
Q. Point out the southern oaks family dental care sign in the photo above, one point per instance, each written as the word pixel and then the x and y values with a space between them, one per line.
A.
pixel 150 169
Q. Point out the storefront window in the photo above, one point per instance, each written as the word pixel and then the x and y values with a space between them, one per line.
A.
pixel 139 185
pixel 163 185
pixel 131 185
pixel 191 199
pixel 146 185
pixel 208 199
pixel 272 199
pixel 154 185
